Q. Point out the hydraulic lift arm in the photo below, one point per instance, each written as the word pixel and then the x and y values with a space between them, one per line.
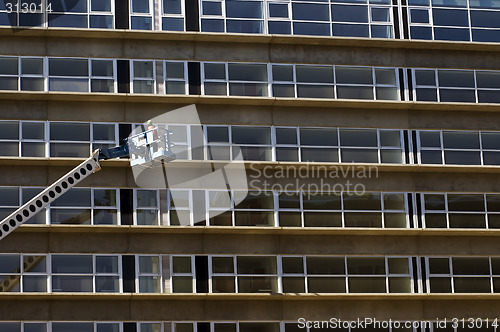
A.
pixel 59 188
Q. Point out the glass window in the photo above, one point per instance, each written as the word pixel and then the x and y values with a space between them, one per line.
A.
pixel 314 74
pixel 68 67
pixel 353 75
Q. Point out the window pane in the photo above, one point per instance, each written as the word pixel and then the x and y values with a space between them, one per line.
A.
pixel 251 135
pixel 470 202
pixel 143 69
pixel 361 137
pixel 470 265
pixel 282 73
pixel 359 155
pixel 292 264
pixel 462 157
pixel 398 265
pixel 353 75
pixel 325 265
pixel 8 66
pixel 315 91
pixel 100 5
pixel 149 264
pixel 472 285
pixel 346 13
pixel 69 84
pixel 318 137
pixel 72 264
pixel 102 68
pixel 68 67
pixel 362 265
pixel 439 265
pixel 256 264
pixel 368 201
pixel 310 12
pixel 9 263
pixel 76 217
pixel 354 92
pixel 289 200
pixel 9 149
pixel 367 285
pixel 314 74
pixel 181 264
pixel 247 72
pixel 490 140
pixel 323 201
pixel 74 197
pixel 175 69
pixel 286 135
pixel 243 9
pixel 425 77
pixel 106 264
pixel 456 78
pixel 430 139
pixel 460 140
pixel 326 285
pixel 385 76
pixel 254 200
pixel 215 71
pixel 248 89
pixel 211 8
pixel 394 202
pixel 222 265
pixel 32 66
pixel 140 6
pixel 33 130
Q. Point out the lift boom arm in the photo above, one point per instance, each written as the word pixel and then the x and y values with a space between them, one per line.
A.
pixel 59 188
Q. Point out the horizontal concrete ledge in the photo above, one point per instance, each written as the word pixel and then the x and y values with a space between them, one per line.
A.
pixel 230 231
pixel 268 166
pixel 247 38
pixel 248 101
pixel 249 296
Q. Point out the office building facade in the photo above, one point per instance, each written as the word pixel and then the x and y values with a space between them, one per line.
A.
pixel 370 136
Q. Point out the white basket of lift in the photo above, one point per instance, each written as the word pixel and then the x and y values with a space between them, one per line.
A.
pixel 150 148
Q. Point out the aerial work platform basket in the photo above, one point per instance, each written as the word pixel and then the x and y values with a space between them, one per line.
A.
pixel 150 148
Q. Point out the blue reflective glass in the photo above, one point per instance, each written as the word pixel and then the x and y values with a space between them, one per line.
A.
pixel 450 17
pixel 457 96
pixel 243 9
pixel 484 3
pixel 208 25
pixel 211 8
pixel 31 20
pixel 419 16
pixel 381 31
pixel 449 3
pixel 310 12
pixel 141 23
pixel 347 13
pixel 279 28
pixel 68 21
pixel 485 18
pixel 244 26
pixel 73 6
pixel 482 35
pixel 172 7
pixel 421 33
pixel 315 29
pixel 351 30
pixel 172 24
pixel 451 34
pixel 418 2
pixel 8 19
pixel 278 10
pixel 101 21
